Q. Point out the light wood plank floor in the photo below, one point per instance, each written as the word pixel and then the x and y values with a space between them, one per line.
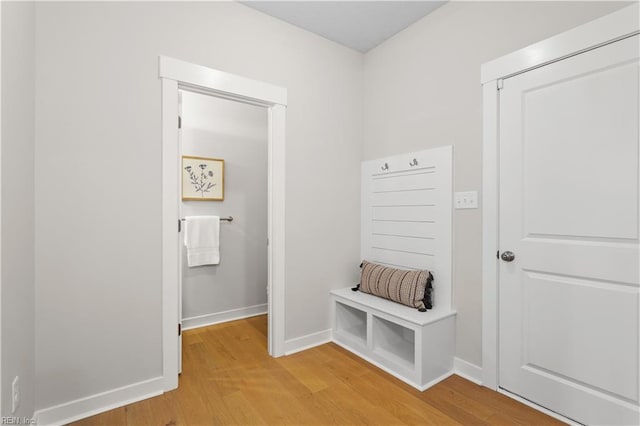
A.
pixel 229 379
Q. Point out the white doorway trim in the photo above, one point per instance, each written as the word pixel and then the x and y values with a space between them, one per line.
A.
pixel 176 74
pixel 1 289
pixel 615 26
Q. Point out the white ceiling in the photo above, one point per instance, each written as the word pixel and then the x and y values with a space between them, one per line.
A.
pixel 361 25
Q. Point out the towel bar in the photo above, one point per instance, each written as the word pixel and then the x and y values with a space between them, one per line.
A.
pixel 228 219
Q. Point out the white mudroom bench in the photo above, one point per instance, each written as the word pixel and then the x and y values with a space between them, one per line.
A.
pixel 406 223
pixel 416 347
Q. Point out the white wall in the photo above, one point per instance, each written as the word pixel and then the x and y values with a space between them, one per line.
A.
pixel 422 89
pixel 18 343
pixel 236 132
pixel 97 177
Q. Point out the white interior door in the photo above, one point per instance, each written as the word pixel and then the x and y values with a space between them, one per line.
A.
pixel 568 319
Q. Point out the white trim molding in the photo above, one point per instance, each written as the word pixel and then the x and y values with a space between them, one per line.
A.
pixel 221 82
pixel 615 26
pixel 175 75
pixel 607 29
pixel 309 341
pixel 170 238
pixel 99 403
pixel 276 230
pixel 1 288
pixel 226 316
pixel 468 371
pixel 490 220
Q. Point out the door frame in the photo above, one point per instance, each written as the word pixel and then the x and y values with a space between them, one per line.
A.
pixel 1 288
pixel 602 31
pixel 174 75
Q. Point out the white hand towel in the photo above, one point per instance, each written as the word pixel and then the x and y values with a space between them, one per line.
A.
pixel 202 239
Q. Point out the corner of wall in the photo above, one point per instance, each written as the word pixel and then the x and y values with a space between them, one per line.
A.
pixel 467 370
pixel 17 207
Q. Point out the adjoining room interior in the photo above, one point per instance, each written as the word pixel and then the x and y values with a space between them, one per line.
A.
pixel 84 219
pixel 237 133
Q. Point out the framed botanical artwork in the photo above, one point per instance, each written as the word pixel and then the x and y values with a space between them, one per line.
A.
pixel 202 179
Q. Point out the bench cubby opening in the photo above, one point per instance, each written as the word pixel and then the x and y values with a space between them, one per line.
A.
pixel 351 323
pixel 394 342
pixel 416 347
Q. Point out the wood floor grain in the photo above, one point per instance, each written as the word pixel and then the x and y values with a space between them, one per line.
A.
pixel 229 379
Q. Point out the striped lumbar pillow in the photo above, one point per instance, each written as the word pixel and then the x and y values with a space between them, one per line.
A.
pixel 411 288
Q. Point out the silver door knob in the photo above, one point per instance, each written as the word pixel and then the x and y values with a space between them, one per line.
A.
pixel 507 256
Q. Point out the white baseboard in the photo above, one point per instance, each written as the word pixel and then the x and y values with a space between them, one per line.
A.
pixel 218 317
pixel 86 407
pixel 467 370
pixel 306 342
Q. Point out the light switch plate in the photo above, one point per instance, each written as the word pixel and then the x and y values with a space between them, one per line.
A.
pixel 466 200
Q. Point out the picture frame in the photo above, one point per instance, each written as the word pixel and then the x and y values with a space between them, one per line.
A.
pixel 202 178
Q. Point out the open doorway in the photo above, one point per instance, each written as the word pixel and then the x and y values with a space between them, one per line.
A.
pixel 217 132
pixel 178 75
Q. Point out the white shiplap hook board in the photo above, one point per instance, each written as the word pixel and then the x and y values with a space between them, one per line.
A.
pixel 407 214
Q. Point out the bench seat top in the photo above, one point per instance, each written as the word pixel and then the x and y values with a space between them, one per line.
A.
pixel 392 308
